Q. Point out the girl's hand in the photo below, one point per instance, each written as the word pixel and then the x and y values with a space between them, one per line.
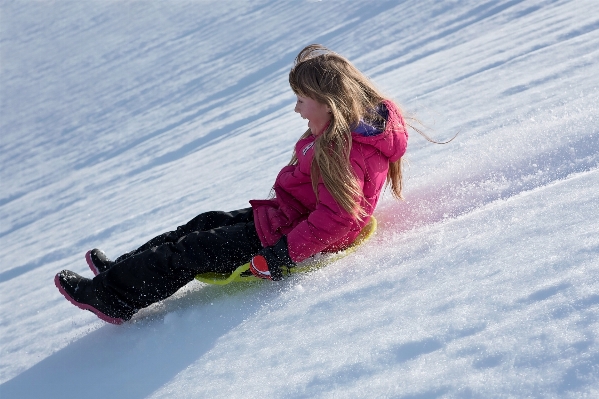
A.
pixel 268 262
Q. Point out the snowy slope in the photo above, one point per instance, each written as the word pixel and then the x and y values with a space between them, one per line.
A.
pixel 120 120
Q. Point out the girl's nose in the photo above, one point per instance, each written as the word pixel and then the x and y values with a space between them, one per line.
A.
pixel 295 109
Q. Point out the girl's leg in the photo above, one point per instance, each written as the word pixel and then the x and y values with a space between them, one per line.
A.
pixel 203 222
pixel 156 273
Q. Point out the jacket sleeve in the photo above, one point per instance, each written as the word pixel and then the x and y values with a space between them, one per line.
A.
pixel 327 224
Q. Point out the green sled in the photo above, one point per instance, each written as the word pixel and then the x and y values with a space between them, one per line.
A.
pixel 243 275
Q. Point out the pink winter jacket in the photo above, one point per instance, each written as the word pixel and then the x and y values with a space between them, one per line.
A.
pixel 313 226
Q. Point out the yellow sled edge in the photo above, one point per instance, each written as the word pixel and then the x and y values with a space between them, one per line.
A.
pixel 242 274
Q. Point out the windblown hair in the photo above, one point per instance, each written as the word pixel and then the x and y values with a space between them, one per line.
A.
pixel 329 78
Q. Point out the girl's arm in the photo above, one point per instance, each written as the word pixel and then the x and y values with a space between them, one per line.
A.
pixel 326 225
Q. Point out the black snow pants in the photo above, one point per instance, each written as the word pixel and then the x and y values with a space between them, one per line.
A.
pixel 210 242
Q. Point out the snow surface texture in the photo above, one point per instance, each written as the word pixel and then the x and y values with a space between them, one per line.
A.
pixel 121 120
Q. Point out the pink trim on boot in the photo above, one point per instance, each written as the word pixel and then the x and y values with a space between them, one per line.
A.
pixel 88 259
pixel 106 318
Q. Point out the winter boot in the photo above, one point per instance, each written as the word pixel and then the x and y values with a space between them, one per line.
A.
pixel 97 261
pixel 81 293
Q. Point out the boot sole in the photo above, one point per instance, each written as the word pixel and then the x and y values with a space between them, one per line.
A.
pixel 106 318
pixel 88 259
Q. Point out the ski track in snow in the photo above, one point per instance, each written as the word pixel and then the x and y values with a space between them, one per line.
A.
pixel 121 120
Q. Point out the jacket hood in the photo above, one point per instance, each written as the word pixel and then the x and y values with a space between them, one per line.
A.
pixel 392 141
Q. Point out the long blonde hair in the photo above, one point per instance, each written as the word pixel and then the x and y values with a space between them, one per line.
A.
pixel 329 78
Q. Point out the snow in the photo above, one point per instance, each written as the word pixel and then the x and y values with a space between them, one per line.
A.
pixel 121 120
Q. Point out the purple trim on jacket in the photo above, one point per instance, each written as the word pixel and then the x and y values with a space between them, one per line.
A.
pixel 366 129
pixel 312 227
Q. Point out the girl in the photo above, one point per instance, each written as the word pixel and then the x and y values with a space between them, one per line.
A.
pixel 323 198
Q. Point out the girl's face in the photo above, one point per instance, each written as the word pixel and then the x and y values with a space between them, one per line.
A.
pixel 316 113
